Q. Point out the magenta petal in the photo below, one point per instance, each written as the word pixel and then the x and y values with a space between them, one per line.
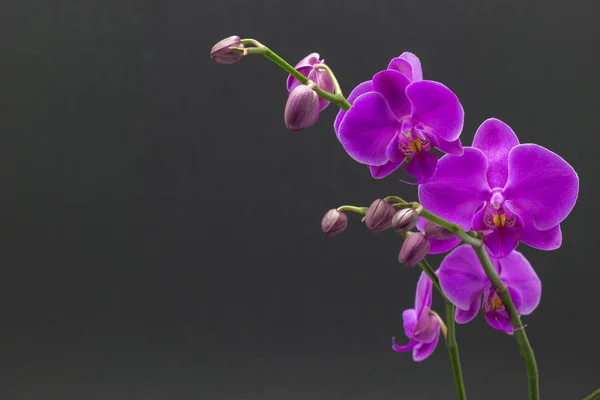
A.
pixel 323 80
pixel 393 152
pixel 461 277
pixel 427 328
pixel 500 321
pixel 368 128
pixel 441 246
pixel 360 89
pixel 502 241
pixel 458 188
pixel 550 239
pixel 408 65
pixel 409 318
pixel 436 107
pixel 541 183
pixel 381 171
pixel 423 294
pixel 454 147
pixel 519 275
pixel 464 316
pixel 424 350
pixel 392 84
pixel 422 166
pixel 495 139
pixel 293 82
pixel 403 349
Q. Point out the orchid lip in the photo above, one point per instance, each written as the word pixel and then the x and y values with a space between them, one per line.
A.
pixel 497 199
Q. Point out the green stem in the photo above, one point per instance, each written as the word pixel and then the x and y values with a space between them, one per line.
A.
pixel 358 210
pixel 451 343
pixel 520 335
pixel 336 85
pixel 593 396
pixel 456 229
pixel 337 98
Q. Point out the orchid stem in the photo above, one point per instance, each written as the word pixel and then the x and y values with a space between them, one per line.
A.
pixel 358 210
pixel 451 342
pixel 593 396
pixel 337 98
pixel 520 335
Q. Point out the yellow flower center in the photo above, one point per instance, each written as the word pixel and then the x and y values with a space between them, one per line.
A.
pixel 499 219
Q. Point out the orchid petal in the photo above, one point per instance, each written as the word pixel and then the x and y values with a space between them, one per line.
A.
pixel 360 89
pixel 502 241
pixel 403 349
pixel 464 316
pixel 368 128
pixel 422 166
pixel 424 350
pixel 423 294
pixel 381 171
pixel 455 147
pixel 541 183
pixel 518 274
pixel 323 80
pixel 392 84
pixel 458 188
pixel 436 107
pixel 461 277
pixel 500 321
pixel 427 327
pixel 408 65
pixel 437 246
pixel 495 139
pixel 409 318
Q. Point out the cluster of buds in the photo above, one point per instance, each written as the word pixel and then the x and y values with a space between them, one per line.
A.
pixel 381 216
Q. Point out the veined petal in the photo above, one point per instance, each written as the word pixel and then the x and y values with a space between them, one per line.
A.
pixel 424 350
pixel 392 84
pixel 436 107
pixel 518 274
pixel 323 80
pixel 464 316
pixel 427 328
pixel 381 171
pixel 550 239
pixel 495 139
pixel 408 65
pixel 423 294
pixel 502 241
pixel 461 277
pixel 455 147
pixel 422 166
pixel 458 188
pixel 542 184
pixel 437 246
pixel 367 129
pixel 293 82
pixel 499 320
pixel 360 89
pixel 409 320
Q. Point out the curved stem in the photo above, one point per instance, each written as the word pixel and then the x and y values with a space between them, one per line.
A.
pixel 520 335
pixel 358 210
pixel 336 86
pixel 451 343
pixel 337 98
pixel 593 396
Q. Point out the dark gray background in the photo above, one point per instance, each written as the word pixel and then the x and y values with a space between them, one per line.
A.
pixel 159 226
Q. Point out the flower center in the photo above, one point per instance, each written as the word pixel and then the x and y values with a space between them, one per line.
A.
pixel 493 303
pixel 411 141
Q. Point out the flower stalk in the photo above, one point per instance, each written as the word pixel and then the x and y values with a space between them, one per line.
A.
pixel 593 396
pixel 336 98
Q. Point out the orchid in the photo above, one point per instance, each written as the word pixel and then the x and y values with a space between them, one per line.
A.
pixel 307 67
pixel 398 117
pixel 465 284
pixel 512 192
pixel 421 325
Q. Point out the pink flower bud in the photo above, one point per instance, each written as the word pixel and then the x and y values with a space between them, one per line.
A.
pixel 221 53
pixel 379 216
pixel 435 231
pixel 301 109
pixel 405 219
pixel 414 249
pixel 334 222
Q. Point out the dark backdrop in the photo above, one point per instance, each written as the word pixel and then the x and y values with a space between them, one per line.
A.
pixel 160 228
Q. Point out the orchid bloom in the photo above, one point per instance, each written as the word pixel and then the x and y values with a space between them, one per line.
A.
pixel 511 192
pixel 398 117
pixel 421 325
pixel 464 282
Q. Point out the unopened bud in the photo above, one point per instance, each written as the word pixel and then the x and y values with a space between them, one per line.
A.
pixel 301 109
pixel 379 216
pixel 221 53
pixel 334 222
pixel 414 249
pixel 405 219
pixel 435 231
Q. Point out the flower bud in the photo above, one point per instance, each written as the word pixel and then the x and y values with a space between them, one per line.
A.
pixel 334 222
pixel 435 231
pixel 301 109
pixel 221 53
pixel 414 249
pixel 379 216
pixel 405 219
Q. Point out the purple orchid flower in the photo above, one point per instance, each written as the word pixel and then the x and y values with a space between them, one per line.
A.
pixel 421 326
pixel 512 192
pixel 397 116
pixel 464 282
pixel 306 67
